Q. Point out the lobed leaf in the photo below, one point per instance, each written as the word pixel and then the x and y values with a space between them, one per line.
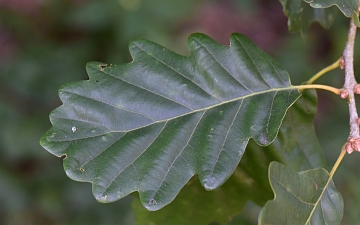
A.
pixel 301 16
pixel 201 207
pixel 348 7
pixel 296 146
pixel 152 124
pixel 307 197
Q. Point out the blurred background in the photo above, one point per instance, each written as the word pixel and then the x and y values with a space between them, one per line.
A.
pixel 46 43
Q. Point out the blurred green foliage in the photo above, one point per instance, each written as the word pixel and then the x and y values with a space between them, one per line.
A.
pixel 44 44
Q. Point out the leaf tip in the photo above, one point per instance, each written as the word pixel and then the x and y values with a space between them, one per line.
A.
pixel 152 205
pixel 46 139
pixel 210 183
pixel 102 198
pixel 93 64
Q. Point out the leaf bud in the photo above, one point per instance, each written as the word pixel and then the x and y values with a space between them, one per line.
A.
pixel 351 139
pixel 356 145
pixel 342 63
pixel 357 89
pixel 344 94
pixel 348 148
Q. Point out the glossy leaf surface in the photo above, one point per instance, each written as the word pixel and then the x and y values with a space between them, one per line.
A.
pixel 152 124
pixel 295 146
pixel 348 7
pixel 308 197
pixel 194 205
pixel 301 15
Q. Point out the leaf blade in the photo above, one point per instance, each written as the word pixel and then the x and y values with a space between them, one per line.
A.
pixel 348 7
pixel 295 146
pixel 301 15
pixel 309 196
pixel 176 117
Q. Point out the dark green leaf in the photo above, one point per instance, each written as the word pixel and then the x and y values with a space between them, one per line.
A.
pixel 348 7
pixel 203 207
pixel 308 197
pixel 152 124
pixel 295 146
pixel 301 15
pixel 194 205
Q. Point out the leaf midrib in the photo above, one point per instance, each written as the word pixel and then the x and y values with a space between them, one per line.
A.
pixel 291 88
pixel 204 109
pixel 293 194
pixel 320 197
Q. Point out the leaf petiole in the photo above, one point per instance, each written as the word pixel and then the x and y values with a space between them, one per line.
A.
pixel 334 90
pixel 323 71
pixel 338 161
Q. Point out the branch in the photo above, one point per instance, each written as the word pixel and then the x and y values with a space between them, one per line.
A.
pixel 353 143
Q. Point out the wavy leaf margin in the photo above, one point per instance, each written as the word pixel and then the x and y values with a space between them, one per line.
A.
pixel 152 124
